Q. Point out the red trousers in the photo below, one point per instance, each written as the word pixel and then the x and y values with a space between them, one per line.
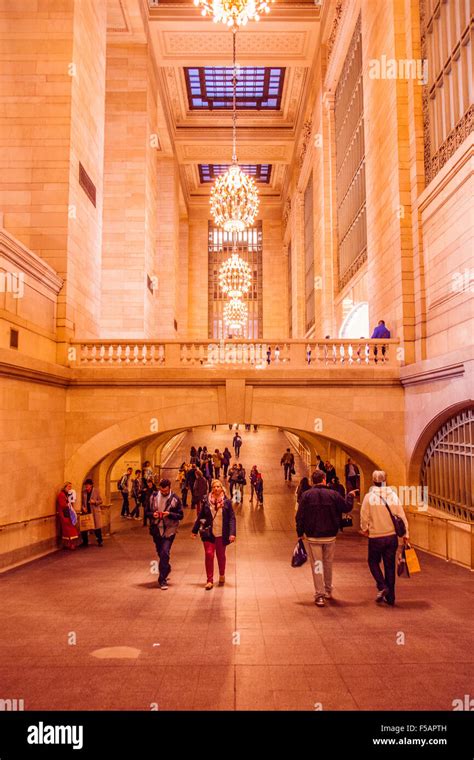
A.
pixel 210 550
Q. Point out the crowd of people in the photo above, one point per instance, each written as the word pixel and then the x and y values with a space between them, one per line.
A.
pixel 322 510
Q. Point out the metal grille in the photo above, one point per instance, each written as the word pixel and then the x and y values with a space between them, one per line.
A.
pixel 290 293
pixel 447 469
pixel 309 254
pixel 350 163
pixel 446 41
pixel 249 246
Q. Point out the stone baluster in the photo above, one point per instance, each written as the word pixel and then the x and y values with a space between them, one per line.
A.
pixel 252 353
pixel 202 353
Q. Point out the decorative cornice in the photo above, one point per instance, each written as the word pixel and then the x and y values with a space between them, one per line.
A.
pixel 335 26
pixel 429 376
pixel 28 262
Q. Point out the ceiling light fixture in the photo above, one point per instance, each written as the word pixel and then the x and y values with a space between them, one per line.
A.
pixel 234 196
pixel 235 314
pixel 235 276
pixel 234 12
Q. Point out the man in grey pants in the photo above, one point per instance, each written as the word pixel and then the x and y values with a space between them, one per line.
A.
pixel 318 519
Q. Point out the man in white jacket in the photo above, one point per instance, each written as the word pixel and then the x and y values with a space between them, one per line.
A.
pixel 376 523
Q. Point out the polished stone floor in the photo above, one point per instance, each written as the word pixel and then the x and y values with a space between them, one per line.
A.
pixel 259 643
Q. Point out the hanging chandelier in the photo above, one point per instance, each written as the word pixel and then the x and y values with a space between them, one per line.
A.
pixel 235 314
pixel 234 197
pixel 235 277
pixel 234 12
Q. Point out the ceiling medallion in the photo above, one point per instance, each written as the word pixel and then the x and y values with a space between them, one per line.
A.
pixel 235 314
pixel 235 277
pixel 234 12
pixel 234 196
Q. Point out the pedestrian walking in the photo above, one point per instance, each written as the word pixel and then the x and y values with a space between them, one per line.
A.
pixel 288 462
pixel 318 519
pixel 125 486
pixel 137 486
pixel 165 511
pixel 200 489
pixel 226 457
pixel 217 527
pixel 237 444
pixel 378 515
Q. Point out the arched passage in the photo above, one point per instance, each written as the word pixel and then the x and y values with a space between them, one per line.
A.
pixel 350 435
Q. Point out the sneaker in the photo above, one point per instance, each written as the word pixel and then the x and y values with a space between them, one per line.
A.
pixel 163 586
pixel 319 601
pixel 221 580
pixel 129 517
pixel 381 596
pixel 208 586
pixel 328 595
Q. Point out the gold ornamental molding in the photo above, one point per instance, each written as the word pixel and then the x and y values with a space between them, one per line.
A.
pixel 204 47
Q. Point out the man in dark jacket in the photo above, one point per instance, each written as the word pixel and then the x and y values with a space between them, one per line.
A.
pixel 165 511
pixel 318 519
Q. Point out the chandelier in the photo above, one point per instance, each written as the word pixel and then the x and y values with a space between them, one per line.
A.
pixel 234 197
pixel 235 314
pixel 234 12
pixel 235 276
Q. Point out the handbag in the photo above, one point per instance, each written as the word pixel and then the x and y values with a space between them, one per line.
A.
pixel 402 567
pixel 346 521
pixel 398 523
pixel 412 561
pixel 299 554
pixel 86 522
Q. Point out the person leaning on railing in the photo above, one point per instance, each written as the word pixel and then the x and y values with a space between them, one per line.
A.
pixel 380 332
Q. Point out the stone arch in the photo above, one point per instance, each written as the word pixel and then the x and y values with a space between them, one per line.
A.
pixel 130 431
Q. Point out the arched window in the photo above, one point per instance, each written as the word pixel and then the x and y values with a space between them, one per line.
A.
pixel 356 324
pixel 447 470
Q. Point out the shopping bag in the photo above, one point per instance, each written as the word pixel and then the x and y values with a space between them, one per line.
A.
pixel 299 554
pixel 86 522
pixel 402 568
pixel 412 561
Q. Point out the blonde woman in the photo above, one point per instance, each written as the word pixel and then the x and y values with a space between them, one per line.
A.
pixel 216 525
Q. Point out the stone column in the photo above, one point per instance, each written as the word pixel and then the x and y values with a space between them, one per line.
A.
pixel 54 82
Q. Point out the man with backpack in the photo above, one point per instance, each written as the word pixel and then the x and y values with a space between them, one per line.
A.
pixel 125 486
pixel 288 462
pixel 318 519
pixel 165 512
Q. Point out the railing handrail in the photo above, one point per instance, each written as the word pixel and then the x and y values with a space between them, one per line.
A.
pixel 231 341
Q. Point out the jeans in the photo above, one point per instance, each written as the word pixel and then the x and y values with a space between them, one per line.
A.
pixel 322 557
pixel 163 548
pixel 237 451
pixel 125 505
pixel 384 550
pixel 226 467
pixel 287 468
pixel 210 550
pixel 98 535
pixel 184 496
pixel 217 471
pixel 136 511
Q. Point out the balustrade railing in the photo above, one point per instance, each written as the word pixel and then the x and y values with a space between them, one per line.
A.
pixel 289 354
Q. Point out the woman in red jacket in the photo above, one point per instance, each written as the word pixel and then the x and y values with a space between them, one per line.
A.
pixel 66 514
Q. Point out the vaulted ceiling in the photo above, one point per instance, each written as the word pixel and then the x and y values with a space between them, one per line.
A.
pixel 182 39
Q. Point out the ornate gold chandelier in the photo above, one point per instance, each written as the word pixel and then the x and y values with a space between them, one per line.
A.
pixel 235 276
pixel 234 197
pixel 234 12
pixel 235 314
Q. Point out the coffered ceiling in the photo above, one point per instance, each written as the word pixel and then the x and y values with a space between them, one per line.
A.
pixel 180 37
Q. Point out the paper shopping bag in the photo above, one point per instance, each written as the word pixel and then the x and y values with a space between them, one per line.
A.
pixel 86 522
pixel 412 561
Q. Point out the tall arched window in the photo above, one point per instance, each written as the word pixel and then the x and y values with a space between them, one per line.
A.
pixel 447 470
pixel 356 324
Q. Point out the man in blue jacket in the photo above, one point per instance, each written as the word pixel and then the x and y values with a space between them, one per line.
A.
pixel 318 519
pixel 380 332
pixel 165 511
